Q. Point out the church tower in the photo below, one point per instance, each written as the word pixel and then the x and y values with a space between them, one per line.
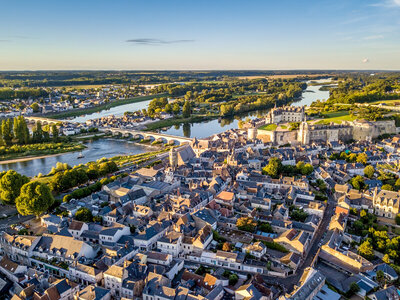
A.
pixel 173 158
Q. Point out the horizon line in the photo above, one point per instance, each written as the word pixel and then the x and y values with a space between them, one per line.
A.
pixel 197 70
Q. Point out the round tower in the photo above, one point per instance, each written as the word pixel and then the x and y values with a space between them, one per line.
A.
pixel 303 135
pixel 252 133
pixel 173 158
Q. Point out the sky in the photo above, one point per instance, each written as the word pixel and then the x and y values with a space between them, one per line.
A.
pixel 199 34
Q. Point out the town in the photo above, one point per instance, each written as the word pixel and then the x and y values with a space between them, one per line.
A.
pixel 200 150
pixel 251 213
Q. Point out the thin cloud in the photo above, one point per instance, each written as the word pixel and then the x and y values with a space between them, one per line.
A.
pixel 147 41
pixel 21 37
pixel 4 41
pixel 387 3
pixel 365 60
pixel 373 37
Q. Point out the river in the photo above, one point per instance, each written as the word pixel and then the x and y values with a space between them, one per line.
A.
pixel 313 93
pixel 108 147
pixel 94 151
pixel 205 129
pixel 116 111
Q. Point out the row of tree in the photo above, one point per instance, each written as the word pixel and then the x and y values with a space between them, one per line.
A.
pixel 15 131
pixel 158 105
pixel 30 197
pixel 275 168
pixel 69 178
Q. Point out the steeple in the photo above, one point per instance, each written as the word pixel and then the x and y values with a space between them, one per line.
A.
pixel 173 158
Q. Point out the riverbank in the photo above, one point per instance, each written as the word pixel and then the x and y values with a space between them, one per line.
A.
pixel 178 121
pixel 27 158
pixel 90 110
pixel 30 154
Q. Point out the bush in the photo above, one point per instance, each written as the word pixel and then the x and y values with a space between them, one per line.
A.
pixel 397 219
pixel 275 246
pixel 233 279
pixel 83 214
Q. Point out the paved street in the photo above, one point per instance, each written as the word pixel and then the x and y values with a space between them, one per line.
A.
pixel 289 282
pixel 16 219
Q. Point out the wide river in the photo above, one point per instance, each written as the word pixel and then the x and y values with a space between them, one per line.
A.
pixel 109 147
pixel 94 151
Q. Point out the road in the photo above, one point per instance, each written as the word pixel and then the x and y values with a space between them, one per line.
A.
pixel 15 219
pixel 289 282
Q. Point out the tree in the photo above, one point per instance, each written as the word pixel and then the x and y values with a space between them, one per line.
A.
pixel 233 279
pixel 362 158
pixel 366 250
pixel 176 109
pixel 226 247
pixel 397 219
pixel 387 187
pixel 298 215
pixel 21 131
pixel 273 168
pixel 246 224
pixel 357 182
pixel 354 288
pixel 7 131
pixel 35 198
pixel 369 171
pixel 352 157
pixel 307 169
pixel 386 259
pixel 84 215
pixel 186 110
pixel 358 226
pixel 265 227
pixel 54 132
pixel 380 277
pixel 37 135
pixel 35 107
pixel 168 108
pixel 10 186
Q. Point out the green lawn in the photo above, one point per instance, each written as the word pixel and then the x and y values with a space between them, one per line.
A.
pixel 269 127
pixel 336 117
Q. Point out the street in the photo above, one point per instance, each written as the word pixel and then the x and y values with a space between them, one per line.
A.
pixel 289 282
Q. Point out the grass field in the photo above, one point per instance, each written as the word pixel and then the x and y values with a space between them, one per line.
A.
pixel 269 127
pixel 80 87
pixel 336 117
pixel 90 110
pixel 297 75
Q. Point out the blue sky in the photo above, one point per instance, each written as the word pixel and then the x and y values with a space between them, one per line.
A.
pixel 202 34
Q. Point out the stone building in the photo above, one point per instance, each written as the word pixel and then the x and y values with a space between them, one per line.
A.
pixel 313 132
pixel 386 203
pixel 285 114
pixel 366 130
pixel 308 133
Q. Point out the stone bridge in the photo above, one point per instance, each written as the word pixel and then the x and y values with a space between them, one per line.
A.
pixel 46 121
pixel 136 134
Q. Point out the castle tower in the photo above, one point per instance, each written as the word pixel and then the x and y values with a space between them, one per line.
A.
pixel 251 134
pixel 173 158
pixel 303 136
